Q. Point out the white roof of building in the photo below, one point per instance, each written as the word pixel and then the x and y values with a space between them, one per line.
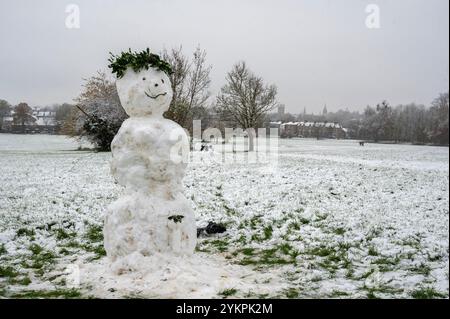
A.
pixel 44 113
pixel 311 124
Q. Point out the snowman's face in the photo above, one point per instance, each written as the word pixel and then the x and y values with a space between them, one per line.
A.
pixel 144 93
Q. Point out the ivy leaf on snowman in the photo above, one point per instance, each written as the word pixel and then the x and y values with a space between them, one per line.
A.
pixel 149 156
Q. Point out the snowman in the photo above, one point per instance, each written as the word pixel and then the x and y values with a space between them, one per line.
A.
pixel 151 216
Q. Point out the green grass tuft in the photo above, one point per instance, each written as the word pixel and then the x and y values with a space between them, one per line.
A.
pixel 291 293
pixel 339 231
pixel 373 251
pixel 228 292
pixel 60 293
pixel 94 233
pixel 25 232
pixel 268 231
pixel 8 272
pixel 427 293
pixel 422 269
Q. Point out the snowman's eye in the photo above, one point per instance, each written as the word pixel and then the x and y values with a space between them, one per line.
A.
pixel 162 80
pixel 143 79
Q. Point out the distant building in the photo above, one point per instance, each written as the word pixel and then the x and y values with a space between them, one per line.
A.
pixel 38 122
pixel 289 129
pixel 45 118
pixel 276 125
pixel 7 122
pixel 312 129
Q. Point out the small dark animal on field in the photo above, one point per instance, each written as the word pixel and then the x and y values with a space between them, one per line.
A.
pixel 361 143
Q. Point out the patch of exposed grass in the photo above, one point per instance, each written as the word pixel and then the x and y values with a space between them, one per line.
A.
pixel 220 245
pixel 8 272
pixel 294 226
pixel 229 211
pixel 436 257
pixel 268 231
pixel 247 251
pixel 427 293
pixel 228 292
pixel 94 233
pixel 62 234
pixel 350 273
pixel 3 249
pixel 25 232
pixel 422 269
pixel 202 249
pixel 254 222
pixel 339 231
pixel 73 244
pixel 64 251
pixel 374 292
pixel 266 257
pixel 40 258
pixel 412 242
pixel 371 295
pixel 98 250
pixel 24 281
pixel 331 259
pixel 36 249
pixel 60 293
pixel 291 293
pixel 374 233
pixel 344 246
pixel 285 248
pixel 386 264
pixel 337 294
pixel 321 251
pixel 372 251
pixel 304 221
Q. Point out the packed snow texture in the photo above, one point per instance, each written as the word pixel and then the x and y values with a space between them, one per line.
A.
pixel 332 220
pixel 152 215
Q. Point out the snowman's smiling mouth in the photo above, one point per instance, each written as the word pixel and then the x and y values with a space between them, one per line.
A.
pixel 156 96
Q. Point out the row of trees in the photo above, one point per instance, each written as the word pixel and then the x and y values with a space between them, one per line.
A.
pixel 403 123
pixel 407 123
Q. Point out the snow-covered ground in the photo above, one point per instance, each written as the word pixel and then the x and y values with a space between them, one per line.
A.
pixel 332 220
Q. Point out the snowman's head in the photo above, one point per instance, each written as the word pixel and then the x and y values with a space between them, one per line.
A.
pixel 142 82
pixel 144 93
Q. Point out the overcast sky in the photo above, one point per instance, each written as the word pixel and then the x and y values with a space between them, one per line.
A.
pixel 316 51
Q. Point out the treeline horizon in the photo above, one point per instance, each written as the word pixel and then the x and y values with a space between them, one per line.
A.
pixel 98 114
pixel 414 123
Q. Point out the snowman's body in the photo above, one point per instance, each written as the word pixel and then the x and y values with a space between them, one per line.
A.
pixel 152 216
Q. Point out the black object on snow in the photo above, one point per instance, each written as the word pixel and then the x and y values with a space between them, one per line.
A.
pixel 211 228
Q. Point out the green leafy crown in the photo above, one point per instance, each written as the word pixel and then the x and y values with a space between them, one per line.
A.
pixel 137 61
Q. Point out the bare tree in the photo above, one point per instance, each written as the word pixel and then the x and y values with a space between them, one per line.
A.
pixel 439 119
pixel 246 99
pixel 190 83
pixel 98 114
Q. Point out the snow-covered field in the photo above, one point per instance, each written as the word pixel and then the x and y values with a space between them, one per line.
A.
pixel 333 220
